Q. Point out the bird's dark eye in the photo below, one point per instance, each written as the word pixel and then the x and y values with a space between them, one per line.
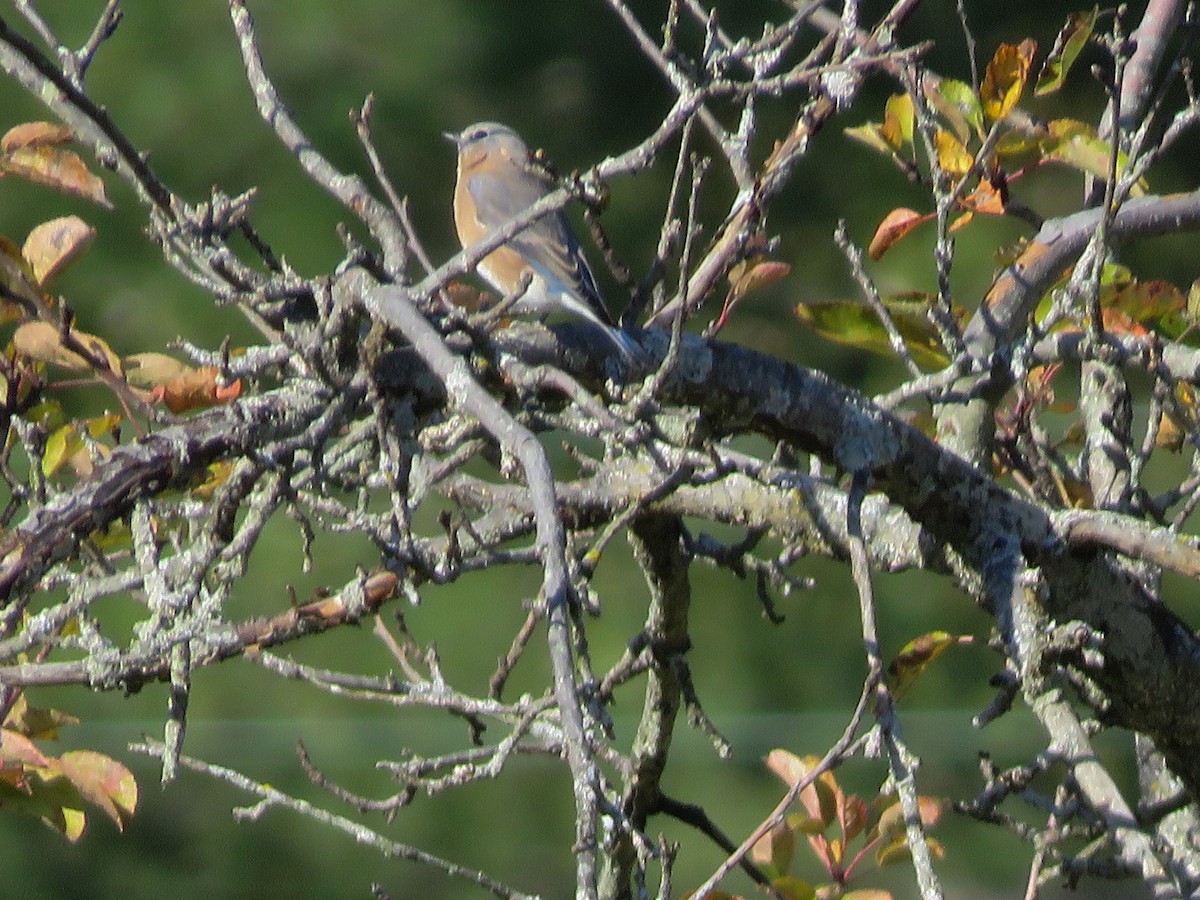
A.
pixel 477 134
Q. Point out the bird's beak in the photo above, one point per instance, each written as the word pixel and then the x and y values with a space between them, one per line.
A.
pixel 451 137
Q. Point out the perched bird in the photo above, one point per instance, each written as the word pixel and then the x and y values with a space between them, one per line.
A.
pixel 496 183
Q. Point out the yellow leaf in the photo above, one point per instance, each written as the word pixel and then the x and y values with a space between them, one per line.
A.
pixel 98 426
pixel 1179 418
pixel 61 446
pixel 898 119
pixel 216 475
pixel 872 135
pixel 952 156
pixel 34 722
pixel 791 888
pixel 802 823
pixel 70 820
pixel 1005 78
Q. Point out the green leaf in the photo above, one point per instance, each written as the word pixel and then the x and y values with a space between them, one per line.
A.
pixel 60 447
pixel 958 105
pixel 775 849
pixel 804 824
pixel 854 324
pixel 49 797
pixel 48 414
pixel 1077 145
pixel 793 888
pixel 1067 46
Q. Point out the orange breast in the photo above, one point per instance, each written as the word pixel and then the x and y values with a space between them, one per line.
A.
pixel 502 267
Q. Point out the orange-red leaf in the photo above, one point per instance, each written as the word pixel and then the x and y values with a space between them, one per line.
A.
pixel 751 276
pixel 18 751
pixel 985 199
pixel 895 225
pixel 197 389
pixel 788 767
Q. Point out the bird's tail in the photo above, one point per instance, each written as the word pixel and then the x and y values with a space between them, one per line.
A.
pixel 598 315
pixel 630 349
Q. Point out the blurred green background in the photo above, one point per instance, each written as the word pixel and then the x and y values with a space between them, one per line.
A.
pixel 569 79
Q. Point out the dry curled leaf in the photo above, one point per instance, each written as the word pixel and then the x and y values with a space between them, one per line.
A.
pixel 42 342
pixel 35 134
pixel 148 370
pixel 52 166
pixel 19 292
pixel 52 246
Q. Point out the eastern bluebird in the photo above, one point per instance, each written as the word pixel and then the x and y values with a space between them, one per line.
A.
pixel 496 183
